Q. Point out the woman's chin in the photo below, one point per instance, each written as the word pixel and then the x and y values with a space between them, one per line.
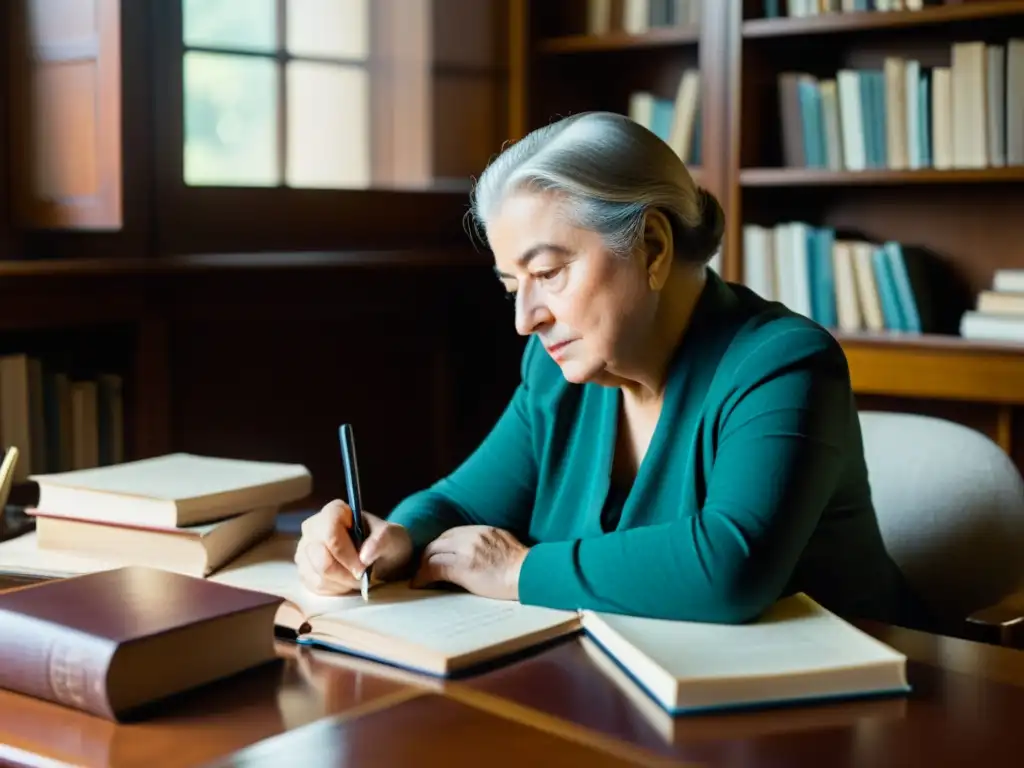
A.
pixel 576 372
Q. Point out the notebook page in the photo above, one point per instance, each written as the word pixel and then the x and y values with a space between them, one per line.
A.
pixel 451 623
pixel 270 567
pixel 795 636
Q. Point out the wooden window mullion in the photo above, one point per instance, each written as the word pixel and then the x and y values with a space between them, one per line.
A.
pixel 282 92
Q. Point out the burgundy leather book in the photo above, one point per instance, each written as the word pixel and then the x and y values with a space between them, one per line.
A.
pixel 111 642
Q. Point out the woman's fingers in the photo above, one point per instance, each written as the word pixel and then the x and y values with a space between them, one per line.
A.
pixel 388 547
pixel 436 567
pixel 330 527
pixel 320 572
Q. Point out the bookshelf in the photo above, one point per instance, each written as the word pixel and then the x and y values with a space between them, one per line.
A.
pixel 955 209
pixel 83 377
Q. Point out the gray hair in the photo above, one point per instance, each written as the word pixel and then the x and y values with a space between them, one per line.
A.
pixel 610 170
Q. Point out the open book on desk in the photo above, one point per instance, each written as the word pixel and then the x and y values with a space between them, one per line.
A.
pixel 797 652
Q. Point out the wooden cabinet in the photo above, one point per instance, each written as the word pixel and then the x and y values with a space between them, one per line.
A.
pixel 65 94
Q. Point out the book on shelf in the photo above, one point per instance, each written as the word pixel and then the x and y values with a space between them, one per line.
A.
pixel 57 420
pixel 803 9
pixel 798 651
pixel 638 16
pixel 905 115
pixel 676 121
pixel 852 284
pixel 998 314
pixel 101 642
pixel 173 490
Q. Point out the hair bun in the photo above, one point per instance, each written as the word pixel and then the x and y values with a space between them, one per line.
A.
pixel 706 237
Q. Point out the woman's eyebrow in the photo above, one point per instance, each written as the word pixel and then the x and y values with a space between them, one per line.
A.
pixel 531 253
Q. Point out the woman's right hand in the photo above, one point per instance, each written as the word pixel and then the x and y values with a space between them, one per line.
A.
pixel 327 559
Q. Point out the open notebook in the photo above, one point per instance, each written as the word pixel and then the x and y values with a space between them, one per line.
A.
pixel 797 652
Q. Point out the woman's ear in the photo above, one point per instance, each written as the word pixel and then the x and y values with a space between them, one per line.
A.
pixel 659 249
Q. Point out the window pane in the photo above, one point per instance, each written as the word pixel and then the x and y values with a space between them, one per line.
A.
pixel 248 25
pixel 230 120
pixel 330 28
pixel 328 125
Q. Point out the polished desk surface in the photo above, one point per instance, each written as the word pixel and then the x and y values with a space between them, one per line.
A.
pixel 558 707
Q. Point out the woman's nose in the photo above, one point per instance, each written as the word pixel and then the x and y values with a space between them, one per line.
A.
pixel 530 314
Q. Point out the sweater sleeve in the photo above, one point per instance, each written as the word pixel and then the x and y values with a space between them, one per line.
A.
pixel 780 454
pixel 496 485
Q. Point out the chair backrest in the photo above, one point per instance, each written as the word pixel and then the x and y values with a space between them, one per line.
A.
pixel 950 504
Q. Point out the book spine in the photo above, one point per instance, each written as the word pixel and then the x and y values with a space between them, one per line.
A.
pixel 47 662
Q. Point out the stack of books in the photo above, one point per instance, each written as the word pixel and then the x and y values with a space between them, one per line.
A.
pixel 179 512
pixel 999 311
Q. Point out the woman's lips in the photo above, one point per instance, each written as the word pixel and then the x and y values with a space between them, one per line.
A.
pixel 556 349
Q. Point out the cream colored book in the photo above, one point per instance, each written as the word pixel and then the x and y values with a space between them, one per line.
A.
pixel 797 652
pixel 173 490
pixel 193 550
pixel 733 724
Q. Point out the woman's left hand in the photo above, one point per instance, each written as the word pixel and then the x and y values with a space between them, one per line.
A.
pixel 480 559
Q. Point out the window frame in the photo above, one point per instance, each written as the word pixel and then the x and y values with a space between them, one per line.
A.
pixel 200 219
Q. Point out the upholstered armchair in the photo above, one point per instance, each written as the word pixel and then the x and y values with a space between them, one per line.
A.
pixel 951 507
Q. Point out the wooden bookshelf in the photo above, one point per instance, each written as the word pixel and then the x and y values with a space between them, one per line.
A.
pixel 618 41
pixel 967 216
pixel 935 367
pixel 834 23
pixel 559 66
pixel 813 177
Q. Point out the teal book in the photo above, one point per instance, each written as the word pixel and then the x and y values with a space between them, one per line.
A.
pixel 823 284
pixel 924 123
pixel 880 124
pixel 903 288
pixel 868 118
pixel 812 122
pixel 887 293
pixel 661 118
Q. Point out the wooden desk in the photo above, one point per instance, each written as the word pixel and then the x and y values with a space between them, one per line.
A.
pixel 557 708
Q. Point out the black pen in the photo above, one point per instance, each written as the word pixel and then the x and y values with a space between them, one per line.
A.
pixel 358 531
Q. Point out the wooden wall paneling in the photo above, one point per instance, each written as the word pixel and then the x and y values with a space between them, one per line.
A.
pixel 470 85
pixel 7 246
pixel 150 397
pixel 518 61
pixel 267 365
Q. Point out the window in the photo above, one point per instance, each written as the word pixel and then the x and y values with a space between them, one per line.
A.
pixel 277 93
pixel 322 124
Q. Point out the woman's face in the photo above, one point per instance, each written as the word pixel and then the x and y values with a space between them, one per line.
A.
pixel 590 307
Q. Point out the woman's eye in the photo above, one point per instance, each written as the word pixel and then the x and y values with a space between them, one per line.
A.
pixel 548 274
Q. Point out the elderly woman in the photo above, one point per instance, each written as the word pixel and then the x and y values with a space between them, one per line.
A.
pixel 678 447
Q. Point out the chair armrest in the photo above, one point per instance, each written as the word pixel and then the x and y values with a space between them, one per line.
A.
pixel 1002 623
